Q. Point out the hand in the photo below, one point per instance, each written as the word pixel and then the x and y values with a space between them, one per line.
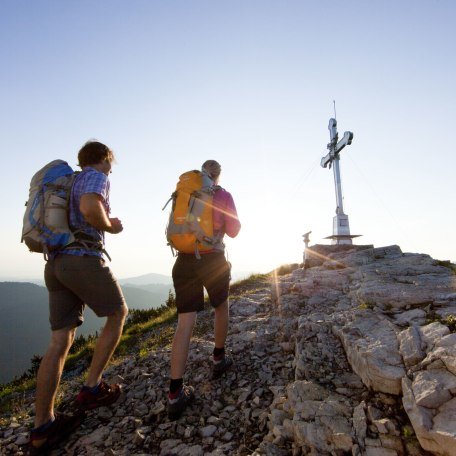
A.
pixel 116 226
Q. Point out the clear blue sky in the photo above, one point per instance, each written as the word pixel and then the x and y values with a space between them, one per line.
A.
pixel 169 84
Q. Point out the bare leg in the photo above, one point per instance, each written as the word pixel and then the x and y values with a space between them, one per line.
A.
pixel 181 343
pixel 221 324
pixel 105 346
pixel 49 374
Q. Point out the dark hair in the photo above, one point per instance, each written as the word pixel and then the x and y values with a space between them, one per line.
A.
pixel 94 152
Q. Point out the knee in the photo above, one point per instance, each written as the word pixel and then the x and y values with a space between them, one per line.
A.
pixel 123 312
pixel 222 308
pixel 186 321
pixel 119 315
pixel 62 339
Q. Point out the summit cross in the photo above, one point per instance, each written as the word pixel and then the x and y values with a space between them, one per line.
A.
pixel 341 227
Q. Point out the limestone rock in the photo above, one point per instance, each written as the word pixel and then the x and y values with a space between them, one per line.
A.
pixel 410 317
pixel 435 434
pixel 432 333
pixel 372 349
pixel 432 388
pixel 411 346
pixel 323 359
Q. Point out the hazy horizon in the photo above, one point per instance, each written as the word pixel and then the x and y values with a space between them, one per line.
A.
pixel 40 280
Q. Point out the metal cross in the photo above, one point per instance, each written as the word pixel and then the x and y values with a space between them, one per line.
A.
pixel 341 228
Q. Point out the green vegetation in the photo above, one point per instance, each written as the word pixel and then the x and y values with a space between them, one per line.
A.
pixel 249 284
pixel 285 269
pixel 446 264
pixel 408 432
pixel 138 323
pixel 17 386
pixel 364 305
pixel 449 320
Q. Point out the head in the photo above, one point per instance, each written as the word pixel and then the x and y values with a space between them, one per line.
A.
pixel 97 155
pixel 212 168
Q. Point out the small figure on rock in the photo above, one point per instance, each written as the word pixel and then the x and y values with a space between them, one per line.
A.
pixel 306 258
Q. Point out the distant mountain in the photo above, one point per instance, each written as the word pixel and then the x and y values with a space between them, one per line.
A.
pixel 147 279
pixel 35 280
pixel 147 296
pixel 24 326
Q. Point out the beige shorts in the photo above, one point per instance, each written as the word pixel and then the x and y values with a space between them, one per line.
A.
pixel 75 281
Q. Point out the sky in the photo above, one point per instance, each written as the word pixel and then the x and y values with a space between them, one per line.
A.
pixel 251 84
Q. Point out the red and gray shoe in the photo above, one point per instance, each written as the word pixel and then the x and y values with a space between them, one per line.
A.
pixel 42 441
pixel 104 395
pixel 176 405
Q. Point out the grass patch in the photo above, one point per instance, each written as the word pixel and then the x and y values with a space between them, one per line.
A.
pixel 74 358
pixel 17 387
pixel 285 269
pixel 12 394
pixel 159 332
pixel 252 282
pixel 366 305
pixel 155 340
pixel 446 264
pixel 166 316
pixel 449 320
pixel 408 432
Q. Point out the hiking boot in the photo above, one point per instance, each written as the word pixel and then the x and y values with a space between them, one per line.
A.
pixel 43 441
pixel 104 395
pixel 177 405
pixel 221 366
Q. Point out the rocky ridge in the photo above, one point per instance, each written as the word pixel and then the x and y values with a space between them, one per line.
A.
pixel 354 355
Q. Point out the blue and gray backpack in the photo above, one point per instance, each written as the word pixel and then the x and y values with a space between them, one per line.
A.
pixel 46 220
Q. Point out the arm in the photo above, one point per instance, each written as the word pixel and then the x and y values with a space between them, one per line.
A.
pixel 91 207
pixel 232 223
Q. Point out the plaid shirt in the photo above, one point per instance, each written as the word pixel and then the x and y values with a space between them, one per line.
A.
pixel 88 181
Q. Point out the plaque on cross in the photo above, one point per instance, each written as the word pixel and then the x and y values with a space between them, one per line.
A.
pixel 341 228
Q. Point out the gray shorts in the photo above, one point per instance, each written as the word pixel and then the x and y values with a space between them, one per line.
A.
pixel 74 281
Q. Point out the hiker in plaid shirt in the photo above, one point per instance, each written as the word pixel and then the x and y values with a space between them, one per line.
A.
pixel 76 276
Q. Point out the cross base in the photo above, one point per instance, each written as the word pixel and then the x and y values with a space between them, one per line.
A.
pixel 342 239
pixel 341 230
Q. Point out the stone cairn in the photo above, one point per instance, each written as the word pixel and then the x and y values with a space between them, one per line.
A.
pixel 353 356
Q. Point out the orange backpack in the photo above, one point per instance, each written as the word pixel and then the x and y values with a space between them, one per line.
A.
pixel 190 226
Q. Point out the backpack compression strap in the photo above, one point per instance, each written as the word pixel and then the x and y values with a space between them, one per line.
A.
pixel 85 241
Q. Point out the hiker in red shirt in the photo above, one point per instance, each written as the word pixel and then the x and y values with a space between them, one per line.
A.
pixel 191 274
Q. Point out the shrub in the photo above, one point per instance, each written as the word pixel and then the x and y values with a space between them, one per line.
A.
pixel 171 301
pixel 450 321
pixel 447 264
pixel 35 365
pixel 286 269
pixel 242 286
